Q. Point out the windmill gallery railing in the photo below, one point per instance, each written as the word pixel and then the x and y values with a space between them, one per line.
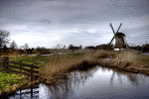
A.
pixel 19 68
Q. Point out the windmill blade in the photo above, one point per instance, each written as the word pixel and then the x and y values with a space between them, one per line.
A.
pixel 111 41
pixel 119 27
pixel 112 28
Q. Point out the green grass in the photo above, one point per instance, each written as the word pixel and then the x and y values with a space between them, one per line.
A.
pixel 35 60
pixel 10 82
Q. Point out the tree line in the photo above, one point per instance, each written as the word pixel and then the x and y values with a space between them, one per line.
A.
pixel 11 46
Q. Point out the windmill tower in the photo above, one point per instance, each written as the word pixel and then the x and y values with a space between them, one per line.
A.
pixel 119 37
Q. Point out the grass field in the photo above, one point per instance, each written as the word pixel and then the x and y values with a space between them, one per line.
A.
pixel 36 60
pixel 9 82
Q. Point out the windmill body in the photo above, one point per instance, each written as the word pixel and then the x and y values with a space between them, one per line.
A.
pixel 119 37
pixel 120 40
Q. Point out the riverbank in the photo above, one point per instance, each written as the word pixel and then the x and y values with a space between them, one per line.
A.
pixel 130 61
pixel 56 66
pixel 59 65
pixel 10 82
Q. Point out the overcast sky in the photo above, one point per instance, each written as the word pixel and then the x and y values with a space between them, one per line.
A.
pixel 86 22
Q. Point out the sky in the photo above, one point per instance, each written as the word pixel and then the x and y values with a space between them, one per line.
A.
pixel 79 22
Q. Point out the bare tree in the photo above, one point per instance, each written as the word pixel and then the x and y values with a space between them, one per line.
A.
pixel 13 45
pixel 26 46
pixel 4 40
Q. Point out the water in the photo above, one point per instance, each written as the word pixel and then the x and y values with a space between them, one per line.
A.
pixel 96 83
pixel 147 53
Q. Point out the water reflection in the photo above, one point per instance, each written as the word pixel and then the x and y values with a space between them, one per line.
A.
pixel 65 89
pixel 134 79
pixel 28 93
pixel 147 53
pixel 95 83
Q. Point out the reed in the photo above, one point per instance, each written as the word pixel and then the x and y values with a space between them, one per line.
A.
pixel 60 64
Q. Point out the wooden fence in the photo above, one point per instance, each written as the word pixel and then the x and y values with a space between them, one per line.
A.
pixel 19 68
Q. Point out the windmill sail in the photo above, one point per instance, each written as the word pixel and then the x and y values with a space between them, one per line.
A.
pixel 119 37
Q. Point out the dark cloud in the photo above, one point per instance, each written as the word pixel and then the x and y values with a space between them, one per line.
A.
pixel 63 19
pixel 45 21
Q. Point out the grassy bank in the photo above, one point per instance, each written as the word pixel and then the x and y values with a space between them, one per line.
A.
pixel 57 65
pixel 10 82
pixel 35 60
pixel 131 61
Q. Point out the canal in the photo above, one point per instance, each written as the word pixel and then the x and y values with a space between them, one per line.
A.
pixel 94 83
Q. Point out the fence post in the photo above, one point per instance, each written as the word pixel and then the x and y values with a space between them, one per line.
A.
pixel 20 65
pixel 31 73
pixel 6 63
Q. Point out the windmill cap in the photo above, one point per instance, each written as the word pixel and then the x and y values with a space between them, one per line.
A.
pixel 120 34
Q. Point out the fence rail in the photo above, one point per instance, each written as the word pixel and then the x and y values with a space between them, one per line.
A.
pixel 19 68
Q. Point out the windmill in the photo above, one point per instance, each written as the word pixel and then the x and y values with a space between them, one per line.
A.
pixel 119 37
